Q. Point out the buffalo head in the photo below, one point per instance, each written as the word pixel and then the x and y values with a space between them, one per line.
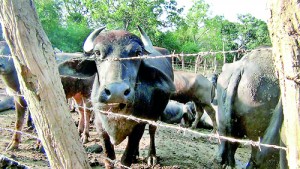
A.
pixel 127 85
pixel 118 75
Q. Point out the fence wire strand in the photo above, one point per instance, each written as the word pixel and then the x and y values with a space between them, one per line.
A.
pixel 11 162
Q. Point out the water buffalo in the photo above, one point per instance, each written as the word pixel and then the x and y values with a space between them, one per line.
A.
pixel 77 87
pixel 184 114
pixel 139 87
pixel 196 88
pixel 249 106
pixel 177 113
pixel 6 103
pixel 10 79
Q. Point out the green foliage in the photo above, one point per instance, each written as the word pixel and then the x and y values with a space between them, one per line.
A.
pixel 127 14
pixel 253 32
pixel 68 22
pixel 66 30
pixel 199 32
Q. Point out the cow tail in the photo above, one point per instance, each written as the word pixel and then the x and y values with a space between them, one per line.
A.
pixel 228 99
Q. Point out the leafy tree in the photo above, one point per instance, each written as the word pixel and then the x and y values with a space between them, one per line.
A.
pixel 126 14
pixel 253 32
pixel 68 22
pixel 66 29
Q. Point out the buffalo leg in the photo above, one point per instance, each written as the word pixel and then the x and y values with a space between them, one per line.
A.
pixel 85 136
pixel 212 114
pixel 152 159
pixel 226 149
pixel 84 124
pixel 133 144
pixel 226 153
pixel 108 149
pixel 84 119
pixel 21 106
pixel 29 122
pixel 199 113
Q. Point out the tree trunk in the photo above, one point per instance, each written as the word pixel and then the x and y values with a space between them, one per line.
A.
pixel 41 85
pixel 285 36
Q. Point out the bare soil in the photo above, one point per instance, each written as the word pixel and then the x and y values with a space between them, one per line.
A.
pixel 175 149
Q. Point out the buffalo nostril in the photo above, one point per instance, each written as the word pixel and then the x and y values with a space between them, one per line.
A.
pixel 126 92
pixel 107 92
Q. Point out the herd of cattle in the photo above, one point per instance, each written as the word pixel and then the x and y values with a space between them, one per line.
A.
pixel 247 94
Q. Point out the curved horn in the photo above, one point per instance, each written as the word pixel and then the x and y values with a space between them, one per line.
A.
pixel 88 44
pixel 146 41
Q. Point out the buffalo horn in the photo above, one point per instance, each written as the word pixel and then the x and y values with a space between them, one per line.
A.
pixel 88 44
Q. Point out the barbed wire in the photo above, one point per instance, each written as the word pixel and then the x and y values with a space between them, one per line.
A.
pixel 178 128
pixel 173 55
pixel 11 162
pixel 21 132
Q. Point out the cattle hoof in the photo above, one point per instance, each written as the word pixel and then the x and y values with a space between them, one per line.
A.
pixel 152 160
pixel 84 140
pixel 12 146
pixel 109 165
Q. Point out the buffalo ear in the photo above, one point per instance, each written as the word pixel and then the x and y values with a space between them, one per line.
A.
pixel 158 73
pixel 77 68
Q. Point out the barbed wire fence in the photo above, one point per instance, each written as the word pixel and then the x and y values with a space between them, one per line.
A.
pixel 199 56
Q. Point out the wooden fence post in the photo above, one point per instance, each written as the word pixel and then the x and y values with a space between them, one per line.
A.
pixel 197 63
pixel 182 62
pixel 41 85
pixel 215 63
pixel 285 36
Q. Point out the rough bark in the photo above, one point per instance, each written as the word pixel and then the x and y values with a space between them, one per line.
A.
pixel 40 83
pixel 284 30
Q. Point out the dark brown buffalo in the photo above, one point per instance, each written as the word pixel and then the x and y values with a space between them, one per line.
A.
pixel 77 87
pixel 10 79
pixel 249 106
pixel 196 88
pixel 139 87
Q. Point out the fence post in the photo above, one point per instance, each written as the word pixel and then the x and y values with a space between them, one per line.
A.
pixel 205 64
pixel 215 63
pixel 196 64
pixel 182 62
pixel 172 62
pixel 224 54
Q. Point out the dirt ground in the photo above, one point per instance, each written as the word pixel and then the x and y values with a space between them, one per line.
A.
pixel 175 149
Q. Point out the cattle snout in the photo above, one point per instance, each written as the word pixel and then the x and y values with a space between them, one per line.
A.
pixel 116 93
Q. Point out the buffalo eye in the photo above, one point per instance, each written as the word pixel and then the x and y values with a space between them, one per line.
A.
pixel 97 53
pixel 138 53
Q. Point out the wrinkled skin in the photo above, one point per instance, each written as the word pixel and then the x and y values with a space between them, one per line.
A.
pixel 249 106
pixel 132 87
pixel 177 113
pixel 77 87
pixel 196 88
